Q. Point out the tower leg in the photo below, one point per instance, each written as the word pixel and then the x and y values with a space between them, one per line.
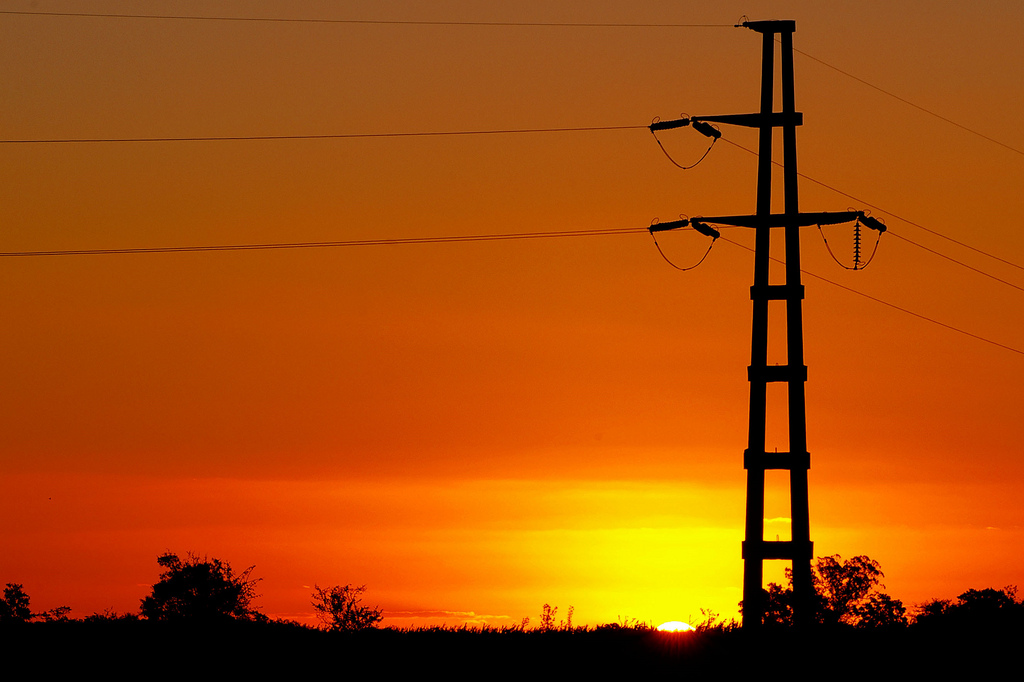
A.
pixel 798 549
pixel 753 556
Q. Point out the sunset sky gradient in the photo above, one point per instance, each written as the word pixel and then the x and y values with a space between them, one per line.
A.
pixel 475 429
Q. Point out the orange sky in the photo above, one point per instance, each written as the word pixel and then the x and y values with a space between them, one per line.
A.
pixel 475 429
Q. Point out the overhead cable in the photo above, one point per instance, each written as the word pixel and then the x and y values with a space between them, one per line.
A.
pixel 911 104
pixel 879 208
pixel 506 131
pixel 541 24
pixel 335 136
pixel 393 22
pixel 886 303
pixel 960 263
pixel 440 240
pixel 496 131
pixel 325 244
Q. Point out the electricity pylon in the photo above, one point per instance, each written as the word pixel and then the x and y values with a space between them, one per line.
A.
pixel 756 459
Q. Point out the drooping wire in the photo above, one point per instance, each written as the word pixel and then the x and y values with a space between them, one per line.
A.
pixel 669 156
pixel 857 264
pixel 676 163
pixel 669 261
pixel 677 267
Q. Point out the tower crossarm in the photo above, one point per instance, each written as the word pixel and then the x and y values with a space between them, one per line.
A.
pixel 771 26
pixel 777 119
pixel 785 219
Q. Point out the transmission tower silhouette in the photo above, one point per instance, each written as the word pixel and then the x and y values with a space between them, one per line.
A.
pixel 799 549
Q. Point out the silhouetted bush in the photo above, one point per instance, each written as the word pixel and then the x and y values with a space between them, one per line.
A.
pixel 338 608
pixel 200 590
pixel 631 624
pixel 111 616
pixel 710 622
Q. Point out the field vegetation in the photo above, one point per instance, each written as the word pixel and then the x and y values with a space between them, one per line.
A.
pixel 201 614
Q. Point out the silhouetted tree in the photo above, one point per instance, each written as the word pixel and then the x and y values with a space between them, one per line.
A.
pixel 880 611
pixel 844 593
pixel 14 608
pixel 843 586
pixel 987 603
pixel 931 611
pixel 778 605
pixel 338 608
pixel 200 590
pixel 988 609
pixel 56 614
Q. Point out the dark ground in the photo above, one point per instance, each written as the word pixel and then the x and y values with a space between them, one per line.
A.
pixel 152 650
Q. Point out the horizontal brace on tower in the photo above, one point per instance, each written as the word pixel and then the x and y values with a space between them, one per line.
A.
pixel 788 461
pixel 777 292
pixel 775 373
pixel 777 549
pixel 776 119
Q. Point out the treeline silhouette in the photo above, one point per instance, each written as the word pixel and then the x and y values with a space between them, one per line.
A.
pixel 201 615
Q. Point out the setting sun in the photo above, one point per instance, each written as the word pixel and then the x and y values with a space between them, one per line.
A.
pixel 676 626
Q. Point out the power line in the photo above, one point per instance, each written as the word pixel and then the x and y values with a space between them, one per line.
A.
pixel 384 22
pixel 505 131
pixel 497 131
pixel 909 103
pixel 457 133
pixel 887 212
pixel 492 237
pixel 327 244
pixel 494 131
pixel 412 22
pixel 336 136
pixel 886 303
pixel 908 221
pixel 440 240
pixel 954 260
